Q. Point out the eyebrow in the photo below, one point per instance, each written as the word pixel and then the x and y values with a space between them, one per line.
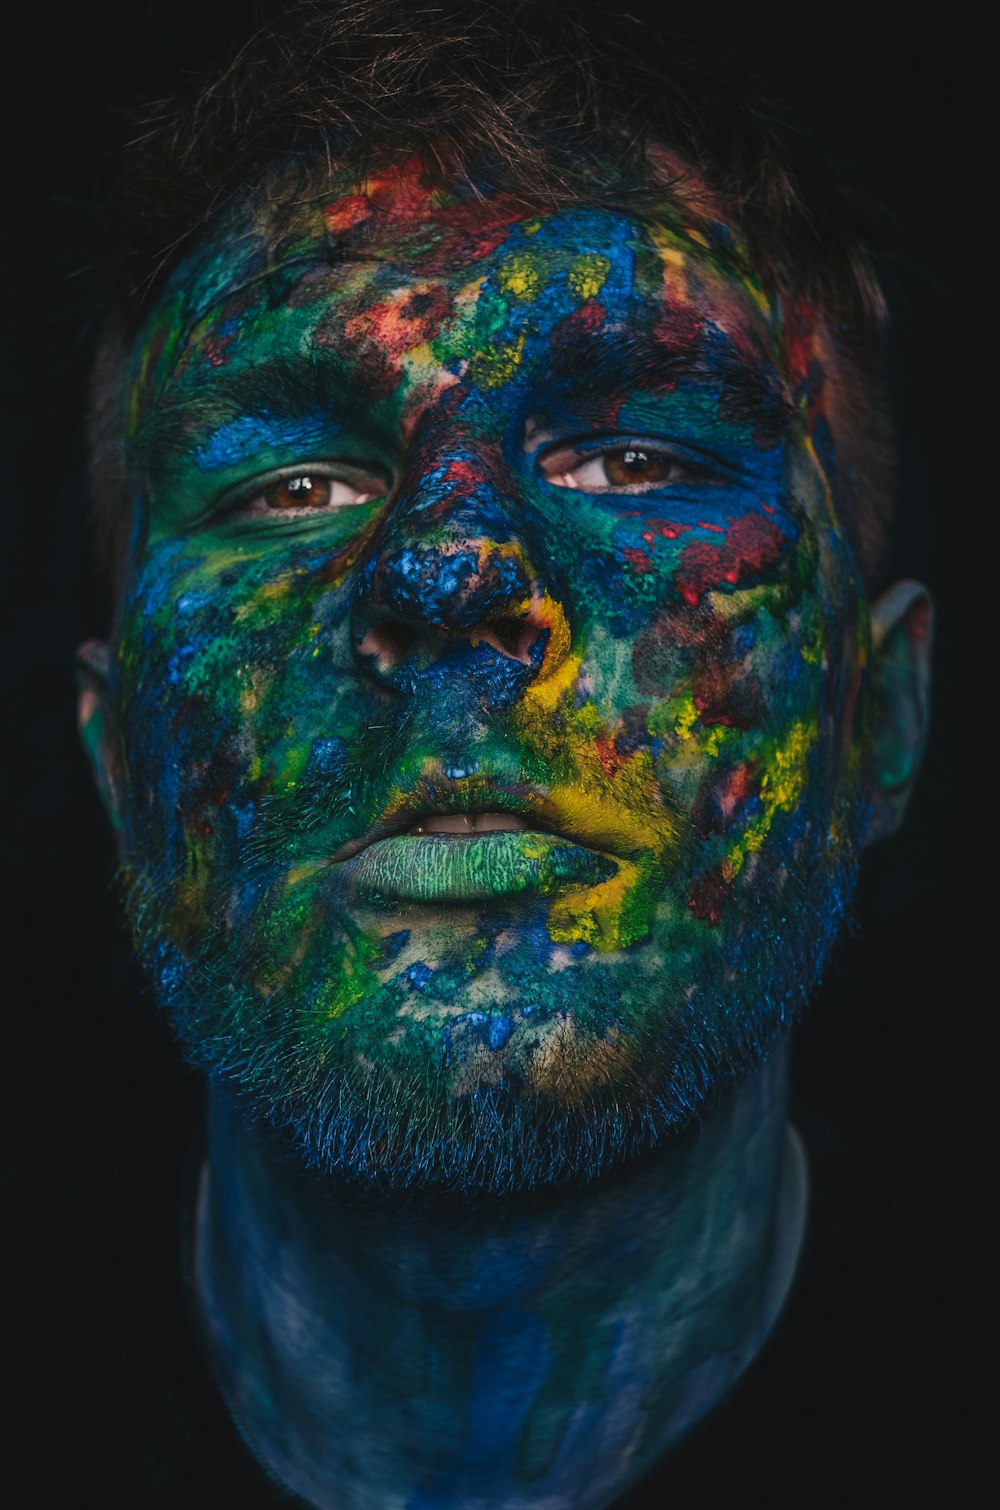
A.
pixel 281 389
pixel 578 367
pixel 607 363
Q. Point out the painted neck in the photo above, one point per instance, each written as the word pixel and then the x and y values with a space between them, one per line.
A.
pixel 542 1351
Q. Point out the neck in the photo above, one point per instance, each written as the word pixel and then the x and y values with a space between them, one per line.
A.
pixel 540 1351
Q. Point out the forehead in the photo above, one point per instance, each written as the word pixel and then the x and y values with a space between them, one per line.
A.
pixel 395 266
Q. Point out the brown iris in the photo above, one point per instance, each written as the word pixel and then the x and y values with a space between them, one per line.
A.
pixel 632 464
pixel 304 492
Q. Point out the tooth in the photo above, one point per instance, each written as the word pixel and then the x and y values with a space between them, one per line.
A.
pixel 469 823
pixel 448 823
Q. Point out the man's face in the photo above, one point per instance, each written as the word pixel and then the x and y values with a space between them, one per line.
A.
pixel 488 735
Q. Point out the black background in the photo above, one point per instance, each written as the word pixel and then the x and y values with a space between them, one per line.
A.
pixel 873 1385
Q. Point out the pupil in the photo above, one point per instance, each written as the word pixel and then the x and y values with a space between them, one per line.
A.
pixel 631 464
pixel 298 492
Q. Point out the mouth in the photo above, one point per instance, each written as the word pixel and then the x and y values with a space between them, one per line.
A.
pixel 472 846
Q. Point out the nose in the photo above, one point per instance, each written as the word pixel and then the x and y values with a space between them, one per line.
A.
pixel 452 585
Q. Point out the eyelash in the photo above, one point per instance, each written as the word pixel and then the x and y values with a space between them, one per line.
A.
pixel 562 461
pixel 251 499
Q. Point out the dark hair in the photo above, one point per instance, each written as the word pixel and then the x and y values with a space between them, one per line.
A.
pixel 546 102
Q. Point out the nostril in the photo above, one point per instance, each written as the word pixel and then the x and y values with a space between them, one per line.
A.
pixel 391 640
pixel 520 637
pixel 387 645
pixel 402 637
pixel 509 633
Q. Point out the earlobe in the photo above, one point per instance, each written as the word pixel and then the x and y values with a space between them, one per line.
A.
pixel 93 659
pixel 902 637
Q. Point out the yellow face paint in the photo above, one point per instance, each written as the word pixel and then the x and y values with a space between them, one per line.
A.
pixel 578 572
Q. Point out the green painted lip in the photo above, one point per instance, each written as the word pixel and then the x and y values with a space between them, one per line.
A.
pixel 443 868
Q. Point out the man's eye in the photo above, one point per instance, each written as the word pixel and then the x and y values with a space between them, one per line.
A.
pixel 315 491
pixel 619 469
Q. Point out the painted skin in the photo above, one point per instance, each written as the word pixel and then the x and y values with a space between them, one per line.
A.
pixel 447 507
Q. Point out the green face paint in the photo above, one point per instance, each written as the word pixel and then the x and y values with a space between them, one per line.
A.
pixel 452 515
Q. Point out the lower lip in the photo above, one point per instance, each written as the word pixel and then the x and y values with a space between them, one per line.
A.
pixel 451 868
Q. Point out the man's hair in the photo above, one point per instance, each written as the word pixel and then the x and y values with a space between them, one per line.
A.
pixel 548 103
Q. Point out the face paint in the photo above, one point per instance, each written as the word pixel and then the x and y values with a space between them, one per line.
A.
pixel 450 515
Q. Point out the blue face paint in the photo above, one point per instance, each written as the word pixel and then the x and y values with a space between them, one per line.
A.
pixel 505 521
pixel 247 438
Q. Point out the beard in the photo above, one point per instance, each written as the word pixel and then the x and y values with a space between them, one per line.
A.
pixel 511 1075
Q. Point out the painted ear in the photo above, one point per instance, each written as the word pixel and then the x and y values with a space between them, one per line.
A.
pixel 902 638
pixel 93 659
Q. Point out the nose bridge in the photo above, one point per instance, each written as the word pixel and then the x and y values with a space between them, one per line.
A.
pixel 458 488
pixel 452 566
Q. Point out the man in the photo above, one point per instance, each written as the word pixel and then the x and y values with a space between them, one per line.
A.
pixel 494 472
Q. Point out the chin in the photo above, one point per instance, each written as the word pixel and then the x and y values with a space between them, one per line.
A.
pixel 503 1067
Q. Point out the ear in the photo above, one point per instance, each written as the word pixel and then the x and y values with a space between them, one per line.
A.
pixel 902 637
pixel 93 659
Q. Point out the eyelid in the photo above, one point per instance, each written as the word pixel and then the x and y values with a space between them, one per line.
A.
pixel 586 448
pixel 243 493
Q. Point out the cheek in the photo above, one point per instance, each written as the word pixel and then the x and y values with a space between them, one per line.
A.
pixel 642 575
pixel 721 683
pixel 722 650
pixel 747 692
pixel 229 683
